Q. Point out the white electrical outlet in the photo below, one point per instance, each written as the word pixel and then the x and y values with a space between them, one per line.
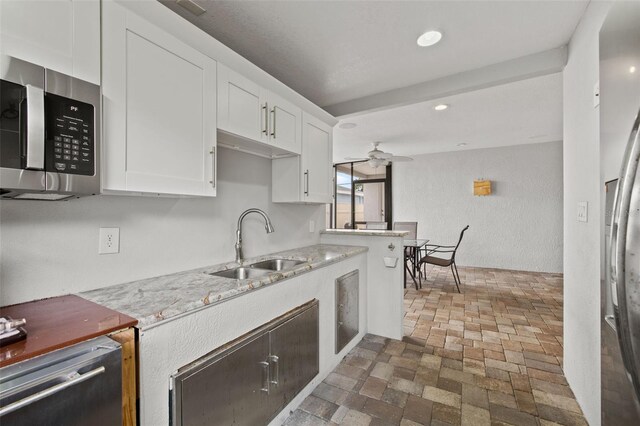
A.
pixel 583 211
pixel 109 241
pixel 312 226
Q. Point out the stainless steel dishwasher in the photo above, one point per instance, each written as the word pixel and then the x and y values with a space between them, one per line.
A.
pixel 77 385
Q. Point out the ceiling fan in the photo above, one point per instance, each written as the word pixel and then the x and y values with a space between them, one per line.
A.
pixel 377 157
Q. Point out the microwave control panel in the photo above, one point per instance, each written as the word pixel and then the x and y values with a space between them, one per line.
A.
pixel 70 136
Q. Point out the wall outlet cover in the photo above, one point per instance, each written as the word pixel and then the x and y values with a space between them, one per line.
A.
pixel 583 211
pixel 109 241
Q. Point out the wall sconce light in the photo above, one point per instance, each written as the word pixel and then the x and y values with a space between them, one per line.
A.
pixel 481 187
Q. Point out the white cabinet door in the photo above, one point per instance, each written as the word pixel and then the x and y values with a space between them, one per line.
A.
pixel 248 110
pixel 159 102
pixel 62 35
pixel 306 178
pixel 317 149
pixel 285 120
pixel 242 109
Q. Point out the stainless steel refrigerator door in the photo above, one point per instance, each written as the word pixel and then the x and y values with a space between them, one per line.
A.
pixel 625 260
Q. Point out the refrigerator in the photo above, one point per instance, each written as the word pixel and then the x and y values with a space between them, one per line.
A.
pixel 619 98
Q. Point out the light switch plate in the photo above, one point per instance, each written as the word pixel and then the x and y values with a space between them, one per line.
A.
pixel 583 211
pixel 109 241
pixel 312 226
pixel 596 94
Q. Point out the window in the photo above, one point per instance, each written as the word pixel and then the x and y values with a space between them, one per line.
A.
pixel 362 197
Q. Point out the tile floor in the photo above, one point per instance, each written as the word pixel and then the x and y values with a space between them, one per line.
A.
pixel 488 356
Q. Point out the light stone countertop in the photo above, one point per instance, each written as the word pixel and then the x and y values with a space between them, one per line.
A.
pixel 157 299
pixel 366 232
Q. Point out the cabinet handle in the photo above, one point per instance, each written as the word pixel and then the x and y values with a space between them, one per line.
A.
pixel 273 130
pixel 275 377
pixel 213 166
pixel 35 128
pixel 265 377
pixel 265 119
pixel 306 183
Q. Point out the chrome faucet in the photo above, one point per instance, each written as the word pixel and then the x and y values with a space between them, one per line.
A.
pixel 268 227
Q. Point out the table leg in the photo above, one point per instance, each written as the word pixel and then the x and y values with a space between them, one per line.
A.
pixel 404 260
pixel 416 259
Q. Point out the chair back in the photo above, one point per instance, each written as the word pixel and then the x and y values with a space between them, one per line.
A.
pixel 411 227
pixel 459 240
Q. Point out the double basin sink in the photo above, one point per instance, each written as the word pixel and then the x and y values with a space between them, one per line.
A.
pixel 258 269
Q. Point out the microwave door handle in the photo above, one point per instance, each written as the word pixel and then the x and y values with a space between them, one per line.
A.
pixel 35 128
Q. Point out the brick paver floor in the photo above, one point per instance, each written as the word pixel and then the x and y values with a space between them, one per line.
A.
pixel 489 356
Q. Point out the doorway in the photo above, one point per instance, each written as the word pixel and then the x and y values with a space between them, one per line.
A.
pixel 362 198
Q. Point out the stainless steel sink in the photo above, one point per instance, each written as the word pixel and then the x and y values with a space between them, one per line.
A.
pixel 241 273
pixel 258 269
pixel 277 264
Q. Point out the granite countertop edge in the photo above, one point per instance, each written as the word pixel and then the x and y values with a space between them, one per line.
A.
pixel 157 299
pixel 366 232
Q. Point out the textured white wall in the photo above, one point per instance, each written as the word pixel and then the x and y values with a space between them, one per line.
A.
pixel 519 226
pixel 51 248
pixel 582 240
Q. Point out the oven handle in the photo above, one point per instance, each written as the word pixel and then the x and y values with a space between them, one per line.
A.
pixel 74 379
pixel 35 128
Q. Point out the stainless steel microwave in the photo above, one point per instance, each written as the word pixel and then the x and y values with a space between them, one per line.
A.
pixel 49 133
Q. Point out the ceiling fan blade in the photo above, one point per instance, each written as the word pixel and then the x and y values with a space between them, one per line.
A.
pixel 384 155
pixel 355 158
pixel 400 159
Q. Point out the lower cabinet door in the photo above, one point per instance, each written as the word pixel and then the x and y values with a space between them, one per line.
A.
pixel 230 390
pixel 293 358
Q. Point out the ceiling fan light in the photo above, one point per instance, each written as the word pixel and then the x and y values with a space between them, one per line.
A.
pixel 375 163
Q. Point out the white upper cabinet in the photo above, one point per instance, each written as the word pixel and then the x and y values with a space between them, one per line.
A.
pixel 317 153
pixel 62 35
pixel 252 112
pixel 306 178
pixel 285 119
pixel 242 107
pixel 159 103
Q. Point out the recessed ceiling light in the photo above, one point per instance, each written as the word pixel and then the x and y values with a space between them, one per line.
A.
pixel 462 144
pixel 441 107
pixel 632 69
pixel 347 125
pixel 429 38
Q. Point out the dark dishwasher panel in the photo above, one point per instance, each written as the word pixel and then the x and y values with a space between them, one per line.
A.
pixel 75 386
pixel 347 308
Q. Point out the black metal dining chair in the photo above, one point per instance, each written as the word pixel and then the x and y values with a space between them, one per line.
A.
pixel 445 262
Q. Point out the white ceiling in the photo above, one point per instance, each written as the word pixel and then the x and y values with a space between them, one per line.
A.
pixel 340 54
pixel 334 51
pixel 527 111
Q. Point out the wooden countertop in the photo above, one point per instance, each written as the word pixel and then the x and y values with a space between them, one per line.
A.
pixel 58 322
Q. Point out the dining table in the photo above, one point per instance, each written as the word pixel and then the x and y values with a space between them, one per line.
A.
pixel 412 255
